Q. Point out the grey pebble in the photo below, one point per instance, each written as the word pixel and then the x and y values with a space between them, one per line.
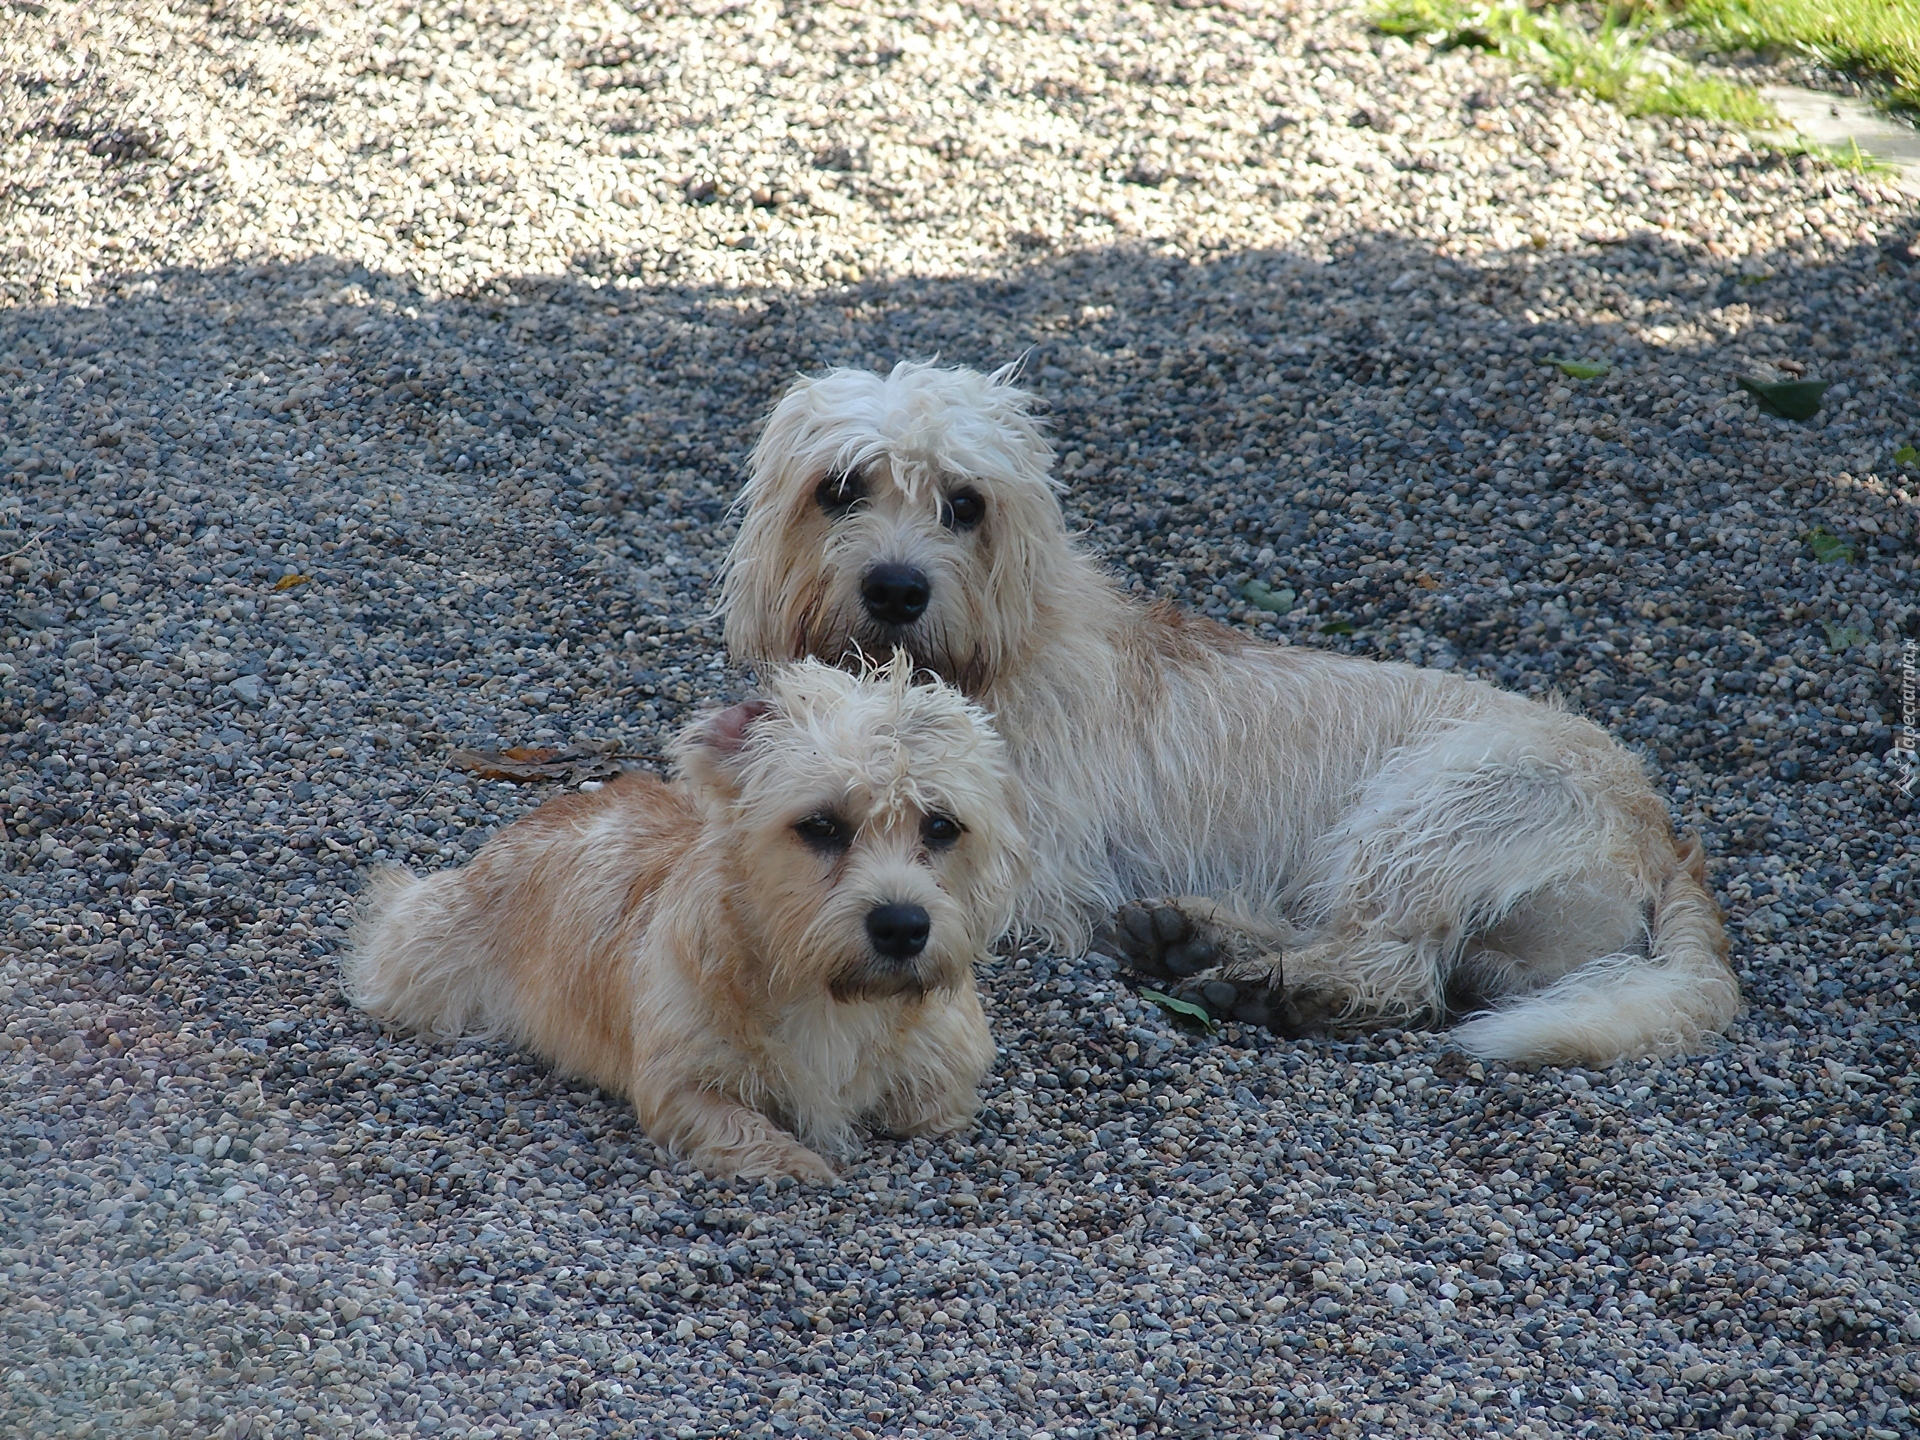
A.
pixel 376 381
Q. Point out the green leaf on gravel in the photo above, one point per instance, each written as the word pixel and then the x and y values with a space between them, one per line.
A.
pixel 1828 547
pixel 1184 1012
pixel 1844 637
pixel 1265 597
pixel 1906 455
pixel 1793 399
pixel 1579 369
pixel 1338 627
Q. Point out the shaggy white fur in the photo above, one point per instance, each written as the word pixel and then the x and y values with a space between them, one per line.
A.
pixel 1414 844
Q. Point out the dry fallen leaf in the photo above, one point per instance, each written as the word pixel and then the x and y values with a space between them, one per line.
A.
pixel 287 582
pixel 572 764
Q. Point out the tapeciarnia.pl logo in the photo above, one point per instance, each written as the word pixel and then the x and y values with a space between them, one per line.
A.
pixel 1906 741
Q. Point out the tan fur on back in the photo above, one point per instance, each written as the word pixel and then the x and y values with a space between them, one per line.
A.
pixel 680 944
pixel 1396 826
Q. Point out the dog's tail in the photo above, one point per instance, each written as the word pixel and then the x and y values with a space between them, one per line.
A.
pixel 1619 1007
pixel 424 956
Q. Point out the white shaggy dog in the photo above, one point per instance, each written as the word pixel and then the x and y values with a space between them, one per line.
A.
pixel 760 957
pixel 1416 845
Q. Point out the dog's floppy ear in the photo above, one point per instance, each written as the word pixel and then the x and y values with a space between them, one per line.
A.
pixel 707 748
pixel 724 732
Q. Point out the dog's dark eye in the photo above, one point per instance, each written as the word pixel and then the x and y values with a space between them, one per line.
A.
pixel 839 492
pixel 828 834
pixel 964 510
pixel 940 831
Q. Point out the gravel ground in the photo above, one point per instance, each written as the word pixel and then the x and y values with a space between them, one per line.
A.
pixel 467 313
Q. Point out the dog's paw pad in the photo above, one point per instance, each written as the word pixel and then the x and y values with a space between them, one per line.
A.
pixel 1158 941
pixel 1220 995
pixel 1149 926
pixel 1190 957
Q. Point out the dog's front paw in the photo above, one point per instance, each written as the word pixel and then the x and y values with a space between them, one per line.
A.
pixel 1208 957
pixel 944 1114
pixel 1259 996
pixel 1250 999
pixel 796 1162
pixel 1159 939
pixel 772 1157
pixel 1250 1002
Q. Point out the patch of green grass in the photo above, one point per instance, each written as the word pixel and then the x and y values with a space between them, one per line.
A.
pixel 1434 20
pixel 1842 157
pixel 1690 93
pixel 1871 37
pixel 1613 60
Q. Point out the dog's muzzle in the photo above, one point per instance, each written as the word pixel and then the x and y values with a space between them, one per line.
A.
pixel 895 594
pixel 897 962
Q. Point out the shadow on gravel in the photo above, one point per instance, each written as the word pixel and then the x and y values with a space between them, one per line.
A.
pixel 1378 431
pixel 539 477
pixel 1384 421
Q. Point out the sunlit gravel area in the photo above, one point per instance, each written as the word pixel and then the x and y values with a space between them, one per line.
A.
pixel 374 381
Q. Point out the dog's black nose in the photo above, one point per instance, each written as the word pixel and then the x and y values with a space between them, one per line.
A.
pixel 895 594
pixel 898 932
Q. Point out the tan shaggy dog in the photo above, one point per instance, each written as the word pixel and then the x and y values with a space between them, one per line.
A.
pixel 762 956
pixel 1416 845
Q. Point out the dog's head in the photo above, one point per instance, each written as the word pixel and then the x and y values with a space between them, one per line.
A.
pixel 867 821
pixel 911 510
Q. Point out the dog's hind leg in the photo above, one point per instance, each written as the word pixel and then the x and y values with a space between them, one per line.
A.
pixel 1409 907
pixel 1176 938
pixel 1665 994
pixel 1348 975
pixel 1486 864
pixel 1448 842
